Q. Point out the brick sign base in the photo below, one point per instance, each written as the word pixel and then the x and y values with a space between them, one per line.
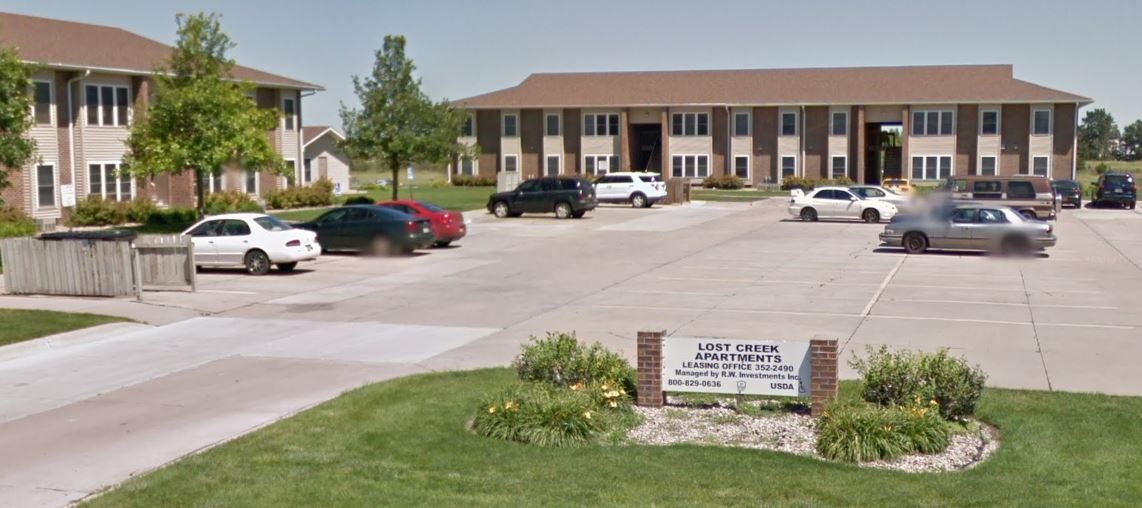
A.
pixel 822 356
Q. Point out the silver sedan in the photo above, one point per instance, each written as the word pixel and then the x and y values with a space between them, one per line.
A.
pixel 969 227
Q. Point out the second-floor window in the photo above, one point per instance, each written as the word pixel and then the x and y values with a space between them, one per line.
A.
pixel 552 125
pixel 933 123
pixel 289 114
pixel 511 126
pixel 789 124
pixel 840 125
pixel 989 122
pixel 601 124
pixel 469 128
pixel 1041 122
pixel 107 105
pixel 741 124
pixel 42 102
pixel 690 124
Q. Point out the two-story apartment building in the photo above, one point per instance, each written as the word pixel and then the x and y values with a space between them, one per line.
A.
pixel 769 124
pixel 90 83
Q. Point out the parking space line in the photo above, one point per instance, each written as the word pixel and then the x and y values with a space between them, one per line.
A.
pixel 737 311
pixel 665 292
pixel 1004 304
pixel 1020 290
pixel 999 322
pixel 768 281
pixel 883 284
pixel 226 292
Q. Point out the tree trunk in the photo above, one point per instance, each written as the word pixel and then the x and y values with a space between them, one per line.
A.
pixel 200 192
pixel 396 182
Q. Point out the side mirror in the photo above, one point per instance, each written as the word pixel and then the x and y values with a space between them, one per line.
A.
pixel 854 198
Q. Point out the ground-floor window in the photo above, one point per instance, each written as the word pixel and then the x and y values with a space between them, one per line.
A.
pixel 741 166
pixel 511 163
pixel 788 166
pixel 215 183
pixel 987 166
pixel 307 171
pixel 599 165
pixel 45 186
pixel 931 167
pixel 1041 166
pixel 552 163
pixel 106 181
pixel 840 166
pixel 691 166
pixel 251 182
pixel 468 166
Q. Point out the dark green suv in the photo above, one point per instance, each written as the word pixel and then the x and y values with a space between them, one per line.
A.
pixel 1115 188
pixel 565 196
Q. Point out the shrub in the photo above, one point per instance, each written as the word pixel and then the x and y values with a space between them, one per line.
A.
pixel 560 359
pixel 359 200
pixel 1101 168
pixel 140 210
pixel 14 222
pixel 859 432
pixel 96 211
pixel 319 193
pixel 725 182
pixel 473 181
pixel 797 182
pixel 541 415
pixel 230 202
pixel 902 378
pixel 174 217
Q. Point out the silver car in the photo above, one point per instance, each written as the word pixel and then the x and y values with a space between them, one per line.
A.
pixel 968 226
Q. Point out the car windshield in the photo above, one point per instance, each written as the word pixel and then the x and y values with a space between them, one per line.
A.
pixel 430 207
pixel 1067 185
pixel 650 178
pixel 271 223
pixel 1119 179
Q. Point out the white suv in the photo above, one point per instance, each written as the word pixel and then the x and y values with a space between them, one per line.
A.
pixel 641 190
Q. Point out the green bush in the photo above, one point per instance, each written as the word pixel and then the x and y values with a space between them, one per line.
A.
pixel 359 200
pixel 231 202
pixel 561 360
pixel 319 193
pixel 725 182
pixel 96 211
pixel 906 378
pixel 541 415
pixel 1101 168
pixel 808 184
pixel 473 181
pixel 859 432
pixel 173 217
pixel 14 222
pixel 140 210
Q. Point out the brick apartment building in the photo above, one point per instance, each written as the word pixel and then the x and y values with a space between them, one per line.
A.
pixel 90 83
pixel 768 124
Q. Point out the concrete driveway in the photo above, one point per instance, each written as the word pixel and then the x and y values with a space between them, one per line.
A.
pixel 89 409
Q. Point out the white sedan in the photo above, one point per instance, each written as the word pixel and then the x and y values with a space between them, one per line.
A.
pixel 837 203
pixel 879 193
pixel 251 240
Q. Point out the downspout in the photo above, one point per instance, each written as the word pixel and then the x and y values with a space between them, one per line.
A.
pixel 801 141
pixel 299 162
pixel 71 131
pixel 1075 146
pixel 726 166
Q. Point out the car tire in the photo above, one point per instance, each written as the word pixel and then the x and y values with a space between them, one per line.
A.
pixel 577 215
pixel 638 200
pixel 380 246
pixel 1015 246
pixel 808 214
pixel 1029 214
pixel 563 210
pixel 287 267
pixel 915 243
pixel 501 209
pixel 871 216
pixel 443 244
pixel 257 262
pixel 1131 205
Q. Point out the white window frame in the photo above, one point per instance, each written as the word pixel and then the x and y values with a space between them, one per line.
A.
pixel 307 171
pixel 594 124
pixel 690 161
pixel 995 167
pixel 547 163
pixel 683 115
pixel 475 166
pixel 594 158
pixel 781 124
pixel 291 116
pixel 1050 121
pixel 935 175
pixel 210 177
pixel 114 107
pixel 558 124
pixel 832 167
pixel 504 125
pixel 939 122
pixel 504 162
pixel 833 123
pixel 36 186
pixel 748 123
pixel 998 121
pixel 471 117
pixel 1032 167
pixel 748 167
pixel 51 103
pixel 781 166
pixel 106 194
pixel 246 181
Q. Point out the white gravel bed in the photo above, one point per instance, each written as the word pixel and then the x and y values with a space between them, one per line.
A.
pixel 791 433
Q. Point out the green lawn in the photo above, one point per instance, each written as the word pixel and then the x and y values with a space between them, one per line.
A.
pixel 700 194
pixel 1087 174
pixel 452 198
pixel 21 325
pixel 405 443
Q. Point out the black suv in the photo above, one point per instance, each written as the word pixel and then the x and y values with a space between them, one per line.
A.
pixel 1070 192
pixel 565 196
pixel 1117 188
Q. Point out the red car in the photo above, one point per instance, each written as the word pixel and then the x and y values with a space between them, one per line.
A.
pixel 447 226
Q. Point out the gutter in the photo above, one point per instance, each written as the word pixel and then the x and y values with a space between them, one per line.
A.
pixel 801 141
pixel 1075 147
pixel 71 131
pixel 727 167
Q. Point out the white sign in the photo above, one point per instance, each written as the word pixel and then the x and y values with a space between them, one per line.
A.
pixel 411 173
pixel 746 367
pixel 603 165
pixel 67 195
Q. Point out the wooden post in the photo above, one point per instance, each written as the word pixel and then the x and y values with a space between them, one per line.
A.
pixel 823 386
pixel 650 369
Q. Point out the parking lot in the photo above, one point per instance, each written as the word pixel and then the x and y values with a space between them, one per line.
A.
pixel 244 351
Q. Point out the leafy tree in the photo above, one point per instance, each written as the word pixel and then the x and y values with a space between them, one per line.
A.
pixel 397 124
pixel 1096 135
pixel 202 119
pixel 1132 141
pixel 16 147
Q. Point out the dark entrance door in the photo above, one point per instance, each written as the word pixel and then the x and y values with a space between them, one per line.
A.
pixel 883 152
pixel 646 154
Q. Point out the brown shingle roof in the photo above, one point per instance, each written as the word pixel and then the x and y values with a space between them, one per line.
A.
pixel 312 132
pixel 851 85
pixel 67 44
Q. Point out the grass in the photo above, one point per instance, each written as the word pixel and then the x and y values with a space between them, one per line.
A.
pixel 700 194
pixel 1087 175
pixel 405 442
pixel 451 198
pixel 22 325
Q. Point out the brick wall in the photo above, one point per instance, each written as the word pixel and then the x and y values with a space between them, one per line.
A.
pixel 823 385
pixel 650 369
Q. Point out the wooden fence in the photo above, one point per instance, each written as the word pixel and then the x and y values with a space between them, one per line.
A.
pixel 166 262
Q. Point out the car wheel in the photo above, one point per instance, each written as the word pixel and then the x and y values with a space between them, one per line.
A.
pixel 563 210
pixel 915 243
pixel 1014 246
pixel 577 215
pixel 1028 214
pixel 443 244
pixel 381 246
pixel 638 200
pixel 808 214
pixel 871 216
pixel 501 209
pixel 257 263
pixel 287 267
pixel 1131 205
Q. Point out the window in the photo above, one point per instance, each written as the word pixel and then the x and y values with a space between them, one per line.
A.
pixel 469 128
pixel 216 183
pixel 933 123
pixel 788 166
pixel 690 166
pixel 511 126
pixel 840 166
pixel 931 167
pixel 289 114
pixel 987 166
pixel 468 166
pixel 271 223
pixel 307 171
pixel 690 124
pixel 107 105
pixel 989 122
pixel 106 181
pixel 45 186
pixel 552 168
pixel 1041 166
pixel 1042 122
pixel 741 166
pixel 600 164
pixel 511 163
pixel 741 124
pixel 251 182
pixel 965 215
pixel 789 124
pixel 553 125
pixel 42 102
pixel 1020 189
pixel 987 189
pixel 601 124
pixel 234 227
pixel 840 124
pixel 988 216
pixel 207 229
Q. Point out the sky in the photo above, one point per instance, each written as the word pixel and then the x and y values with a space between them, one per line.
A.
pixel 464 48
